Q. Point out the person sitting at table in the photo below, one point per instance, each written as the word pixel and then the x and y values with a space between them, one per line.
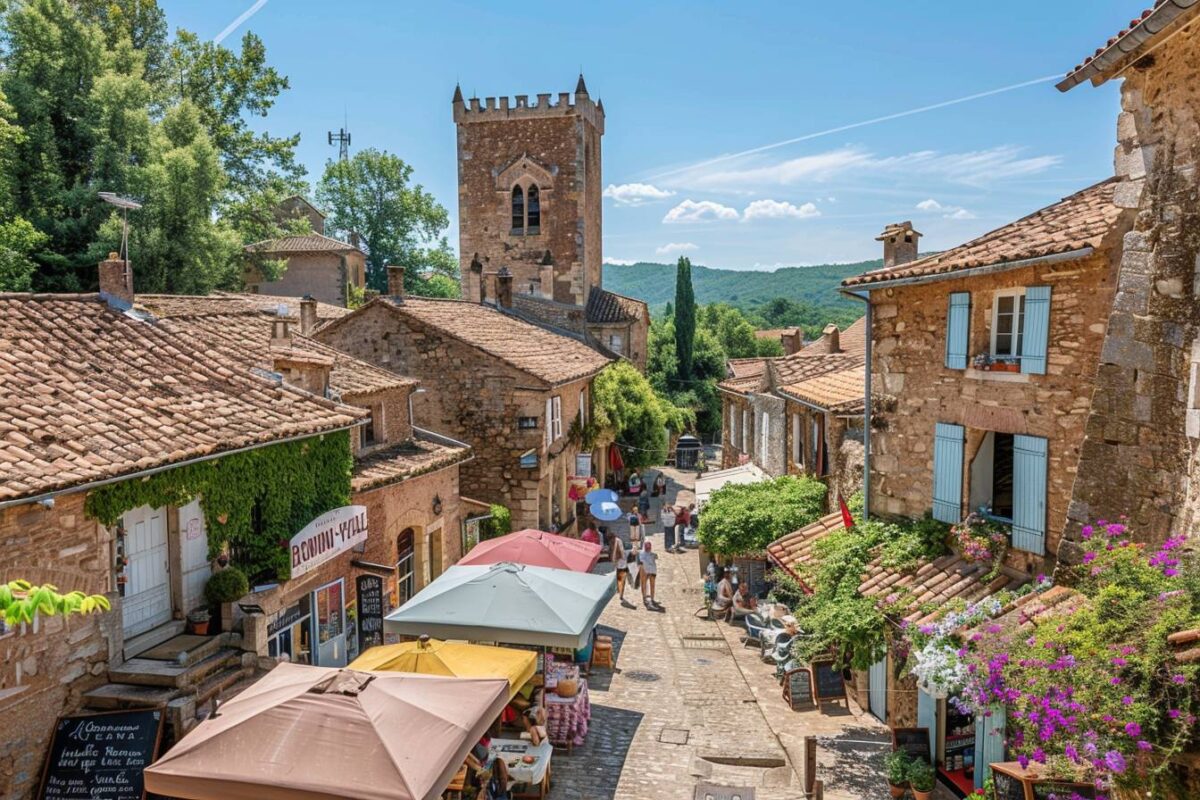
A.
pixel 724 599
pixel 497 785
pixel 743 602
pixel 534 720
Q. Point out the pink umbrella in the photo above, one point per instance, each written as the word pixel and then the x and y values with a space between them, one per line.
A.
pixel 536 549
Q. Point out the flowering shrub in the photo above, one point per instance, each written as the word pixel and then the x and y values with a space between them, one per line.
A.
pixel 980 540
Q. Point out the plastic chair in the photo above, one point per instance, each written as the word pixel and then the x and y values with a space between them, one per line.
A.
pixel 755 627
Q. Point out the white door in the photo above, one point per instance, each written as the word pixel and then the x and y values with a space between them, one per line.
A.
pixel 877 687
pixel 147 602
pixel 193 545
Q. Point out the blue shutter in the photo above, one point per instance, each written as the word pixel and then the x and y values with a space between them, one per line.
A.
pixel 1036 334
pixel 958 322
pixel 877 688
pixel 1029 494
pixel 927 717
pixel 947 473
pixel 989 743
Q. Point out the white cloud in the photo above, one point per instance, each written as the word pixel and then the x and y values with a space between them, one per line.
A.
pixel 929 205
pixel 676 247
pixel 619 262
pixel 974 168
pixel 960 213
pixel 635 194
pixel 702 211
pixel 778 209
pixel 948 212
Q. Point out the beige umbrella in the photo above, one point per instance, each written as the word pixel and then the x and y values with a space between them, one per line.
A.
pixel 331 734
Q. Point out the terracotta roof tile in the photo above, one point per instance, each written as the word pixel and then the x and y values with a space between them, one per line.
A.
pixel 1085 219
pixel 792 551
pixel 1137 37
pixel 407 460
pixel 851 339
pixel 173 305
pixel 93 394
pixel 835 392
pixel 307 243
pixel 548 356
pixel 604 306
pixel 800 367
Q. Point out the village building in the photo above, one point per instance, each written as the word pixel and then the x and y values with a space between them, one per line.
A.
pixel 110 413
pixel 315 265
pixel 530 205
pixel 520 395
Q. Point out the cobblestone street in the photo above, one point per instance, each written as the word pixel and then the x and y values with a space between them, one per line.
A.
pixel 688 703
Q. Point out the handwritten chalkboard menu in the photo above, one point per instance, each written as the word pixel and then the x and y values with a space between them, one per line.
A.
pixel 101 756
pixel 829 681
pixel 798 689
pixel 1046 790
pixel 1007 787
pixel 370 611
pixel 914 741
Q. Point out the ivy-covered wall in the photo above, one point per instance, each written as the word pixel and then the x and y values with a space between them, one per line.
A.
pixel 253 502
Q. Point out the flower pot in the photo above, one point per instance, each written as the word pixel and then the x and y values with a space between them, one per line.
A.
pixel 922 795
pixel 1012 367
pixel 897 791
pixel 198 628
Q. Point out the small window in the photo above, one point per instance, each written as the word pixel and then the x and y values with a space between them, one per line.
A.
pixel 797 441
pixel 372 432
pixel 533 222
pixel 518 211
pixel 527 423
pixel 1008 323
pixel 616 343
pixel 404 566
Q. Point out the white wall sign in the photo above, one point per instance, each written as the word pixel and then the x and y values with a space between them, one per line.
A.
pixel 331 533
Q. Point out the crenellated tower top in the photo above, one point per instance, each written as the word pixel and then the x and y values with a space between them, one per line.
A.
pixel 492 109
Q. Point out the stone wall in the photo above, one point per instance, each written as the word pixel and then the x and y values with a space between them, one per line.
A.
pixel 322 275
pixel 910 341
pixel 1138 454
pixel 774 460
pixel 731 446
pixel 396 427
pixel 45 667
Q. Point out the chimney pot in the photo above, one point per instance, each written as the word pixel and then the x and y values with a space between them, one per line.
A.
pixel 504 287
pixel 395 280
pixel 116 282
pixel 308 316
pixel 833 335
pixel 899 243
pixel 281 332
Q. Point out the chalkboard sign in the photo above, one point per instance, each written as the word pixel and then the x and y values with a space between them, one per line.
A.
pixel 1007 787
pixel 1044 790
pixel 914 741
pixel 830 683
pixel 101 756
pixel 370 611
pixel 798 690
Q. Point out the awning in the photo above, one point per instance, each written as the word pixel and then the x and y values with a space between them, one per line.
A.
pixel 536 549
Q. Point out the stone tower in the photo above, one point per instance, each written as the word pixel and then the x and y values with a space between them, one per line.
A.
pixel 529 194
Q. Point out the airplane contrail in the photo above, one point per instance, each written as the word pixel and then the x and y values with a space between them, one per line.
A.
pixel 245 15
pixel 853 125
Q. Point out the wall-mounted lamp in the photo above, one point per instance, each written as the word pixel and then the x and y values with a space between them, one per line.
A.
pixel 437 504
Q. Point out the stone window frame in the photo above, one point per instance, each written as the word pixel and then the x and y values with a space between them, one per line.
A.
pixel 523 174
pixel 1019 329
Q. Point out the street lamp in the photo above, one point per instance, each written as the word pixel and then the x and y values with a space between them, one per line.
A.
pixel 125 204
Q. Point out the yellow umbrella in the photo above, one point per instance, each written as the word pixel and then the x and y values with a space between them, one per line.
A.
pixel 454 659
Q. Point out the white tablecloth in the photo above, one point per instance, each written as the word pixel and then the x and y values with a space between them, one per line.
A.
pixel 511 751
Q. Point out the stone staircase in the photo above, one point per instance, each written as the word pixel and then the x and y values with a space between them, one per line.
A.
pixel 183 686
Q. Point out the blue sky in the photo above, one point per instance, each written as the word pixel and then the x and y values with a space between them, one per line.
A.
pixel 686 82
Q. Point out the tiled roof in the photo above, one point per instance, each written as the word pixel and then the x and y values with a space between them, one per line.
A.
pixel 748 375
pixel 1130 42
pixel 171 305
pixel 307 243
pixel 93 394
pixel 1085 219
pixel 604 306
pixel 1031 609
pixel 851 339
pixel 548 356
pixel 407 460
pixel 744 375
pixel 836 392
pixel 774 333
pixel 800 367
pixel 792 551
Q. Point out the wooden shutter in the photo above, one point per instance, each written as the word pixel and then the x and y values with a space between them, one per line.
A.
pixel 1029 494
pixel 549 422
pixel 989 743
pixel 1036 334
pixel 947 472
pixel 958 322
pixel 927 717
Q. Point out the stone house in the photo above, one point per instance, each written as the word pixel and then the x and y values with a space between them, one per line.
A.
pixel 799 414
pixel 99 397
pixel 517 393
pixel 317 266
pixel 530 204
pixel 989 351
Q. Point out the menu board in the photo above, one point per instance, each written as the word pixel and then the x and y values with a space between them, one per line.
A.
pixel 1007 787
pixel 101 756
pixel 914 741
pixel 369 589
pixel 829 681
pixel 1046 790
pixel 798 689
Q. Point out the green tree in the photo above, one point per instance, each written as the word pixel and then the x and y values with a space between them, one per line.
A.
pixel 438 286
pixel 18 238
pixel 627 407
pixel 400 223
pixel 741 519
pixel 140 22
pixel 685 318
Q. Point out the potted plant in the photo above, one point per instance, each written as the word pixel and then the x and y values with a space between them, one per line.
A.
pixel 198 619
pixel 983 361
pixel 897 772
pixel 921 778
pixel 224 588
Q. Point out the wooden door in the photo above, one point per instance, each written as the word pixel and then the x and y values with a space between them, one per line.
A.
pixel 147 601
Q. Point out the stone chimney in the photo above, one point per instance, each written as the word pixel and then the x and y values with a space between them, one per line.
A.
pixel 395 277
pixel 355 240
pixel 504 288
pixel 281 332
pixel 832 334
pixel 116 282
pixel 308 316
pixel 792 340
pixel 899 243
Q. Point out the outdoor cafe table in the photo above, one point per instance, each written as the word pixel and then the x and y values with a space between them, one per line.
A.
pixel 567 717
pixel 533 775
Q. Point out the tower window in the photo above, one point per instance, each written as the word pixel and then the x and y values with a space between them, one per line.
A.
pixel 518 211
pixel 534 212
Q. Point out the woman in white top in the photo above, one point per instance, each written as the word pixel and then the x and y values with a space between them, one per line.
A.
pixel 648 564
pixel 621 563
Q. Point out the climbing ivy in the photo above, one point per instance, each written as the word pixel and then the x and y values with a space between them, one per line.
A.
pixel 253 502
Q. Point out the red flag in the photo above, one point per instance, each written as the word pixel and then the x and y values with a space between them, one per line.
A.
pixel 847 518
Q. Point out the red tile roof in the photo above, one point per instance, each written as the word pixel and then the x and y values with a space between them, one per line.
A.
pixel 171 305
pixel 1131 42
pixel 750 375
pixel 1085 219
pixel 92 394
pixel 307 243
pixel 839 392
pixel 609 307
pixel 400 462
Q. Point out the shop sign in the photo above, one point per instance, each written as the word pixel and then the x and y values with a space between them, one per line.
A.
pixel 369 592
pixel 326 536
pixel 288 617
pixel 583 464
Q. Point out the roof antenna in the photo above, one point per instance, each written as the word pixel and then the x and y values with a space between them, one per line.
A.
pixel 125 204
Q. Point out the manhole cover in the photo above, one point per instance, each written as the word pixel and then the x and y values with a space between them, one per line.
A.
pixel 673 736
pixel 704 642
pixel 641 676
pixel 703 660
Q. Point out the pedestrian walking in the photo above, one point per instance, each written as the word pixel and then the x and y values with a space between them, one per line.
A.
pixel 635 531
pixel 643 506
pixel 660 485
pixel 621 562
pixel 681 528
pixel 647 573
pixel 668 520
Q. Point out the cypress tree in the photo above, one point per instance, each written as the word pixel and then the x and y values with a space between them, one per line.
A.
pixel 685 317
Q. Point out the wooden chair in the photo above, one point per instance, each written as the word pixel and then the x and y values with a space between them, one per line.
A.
pixel 602 653
pixel 454 791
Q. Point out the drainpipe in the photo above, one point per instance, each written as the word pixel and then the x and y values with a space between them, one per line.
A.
pixel 865 297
